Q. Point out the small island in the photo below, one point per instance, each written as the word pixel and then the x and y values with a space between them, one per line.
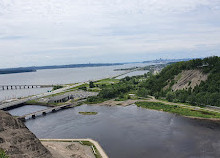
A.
pixel 88 113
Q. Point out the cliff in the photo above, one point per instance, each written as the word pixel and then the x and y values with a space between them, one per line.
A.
pixel 17 141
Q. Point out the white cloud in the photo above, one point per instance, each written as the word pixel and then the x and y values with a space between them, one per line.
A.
pixel 74 31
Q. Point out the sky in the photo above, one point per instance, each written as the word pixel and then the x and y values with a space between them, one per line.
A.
pixel 56 32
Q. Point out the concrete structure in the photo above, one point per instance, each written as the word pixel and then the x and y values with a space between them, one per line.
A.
pixel 60 98
pixel 12 104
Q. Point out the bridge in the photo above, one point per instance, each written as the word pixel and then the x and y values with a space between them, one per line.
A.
pixel 46 111
pixel 11 87
pixel 13 104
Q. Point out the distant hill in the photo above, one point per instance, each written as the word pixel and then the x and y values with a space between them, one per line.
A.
pixel 196 81
pixel 17 70
pixel 35 68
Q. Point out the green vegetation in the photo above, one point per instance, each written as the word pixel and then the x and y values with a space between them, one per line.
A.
pixel 207 93
pixel 91 84
pixel 57 87
pixel 88 143
pixel 88 113
pixel 120 89
pixel 178 110
pixel 3 154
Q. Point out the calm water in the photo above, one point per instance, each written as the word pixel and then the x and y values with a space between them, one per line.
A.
pixel 132 132
pixel 27 109
pixel 8 94
pixel 56 76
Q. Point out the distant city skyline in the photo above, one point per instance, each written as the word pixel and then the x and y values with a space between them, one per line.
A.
pixel 55 32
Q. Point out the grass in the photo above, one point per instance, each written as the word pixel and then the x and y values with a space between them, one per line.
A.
pixel 178 110
pixel 88 113
pixel 107 81
pixel 3 154
pixel 88 143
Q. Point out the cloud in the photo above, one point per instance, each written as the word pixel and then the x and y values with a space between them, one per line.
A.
pixel 76 31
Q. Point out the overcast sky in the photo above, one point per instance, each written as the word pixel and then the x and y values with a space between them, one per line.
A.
pixel 49 32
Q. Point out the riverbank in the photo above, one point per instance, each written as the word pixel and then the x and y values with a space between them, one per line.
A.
pixel 83 148
pixel 199 113
pixel 183 110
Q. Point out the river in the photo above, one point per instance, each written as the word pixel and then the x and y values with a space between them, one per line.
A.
pixel 58 76
pixel 133 132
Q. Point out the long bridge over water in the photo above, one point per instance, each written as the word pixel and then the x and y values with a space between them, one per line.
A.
pixel 11 87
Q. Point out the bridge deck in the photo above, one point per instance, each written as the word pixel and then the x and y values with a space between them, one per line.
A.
pixel 49 110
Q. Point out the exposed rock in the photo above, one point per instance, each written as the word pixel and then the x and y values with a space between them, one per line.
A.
pixel 189 78
pixel 17 141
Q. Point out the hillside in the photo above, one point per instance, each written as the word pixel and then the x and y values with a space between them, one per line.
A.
pixel 196 82
pixel 17 141
pixel 188 79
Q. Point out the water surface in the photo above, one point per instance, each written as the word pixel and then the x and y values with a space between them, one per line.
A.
pixel 26 109
pixel 130 132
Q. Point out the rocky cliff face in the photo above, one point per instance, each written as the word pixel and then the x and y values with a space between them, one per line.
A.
pixel 18 141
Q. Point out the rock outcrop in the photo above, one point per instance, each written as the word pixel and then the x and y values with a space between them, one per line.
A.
pixel 17 141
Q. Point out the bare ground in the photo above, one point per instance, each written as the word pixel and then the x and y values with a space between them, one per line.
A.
pixel 189 78
pixel 68 150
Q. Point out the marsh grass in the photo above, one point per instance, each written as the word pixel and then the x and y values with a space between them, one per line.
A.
pixel 178 110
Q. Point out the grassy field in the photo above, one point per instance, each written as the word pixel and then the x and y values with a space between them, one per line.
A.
pixel 178 110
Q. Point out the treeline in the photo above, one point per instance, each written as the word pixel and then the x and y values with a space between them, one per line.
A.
pixel 17 70
pixel 207 93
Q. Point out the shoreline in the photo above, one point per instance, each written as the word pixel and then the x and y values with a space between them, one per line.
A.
pixel 112 102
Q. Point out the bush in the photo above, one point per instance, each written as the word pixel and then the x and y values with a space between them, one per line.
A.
pixel 57 87
pixel 3 154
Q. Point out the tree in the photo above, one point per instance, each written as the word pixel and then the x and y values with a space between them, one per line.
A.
pixel 91 84
pixel 170 96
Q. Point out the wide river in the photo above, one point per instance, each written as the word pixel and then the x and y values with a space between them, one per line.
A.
pixel 132 132
pixel 58 76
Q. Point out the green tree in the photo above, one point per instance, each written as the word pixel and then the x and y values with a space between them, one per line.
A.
pixel 170 96
pixel 91 84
